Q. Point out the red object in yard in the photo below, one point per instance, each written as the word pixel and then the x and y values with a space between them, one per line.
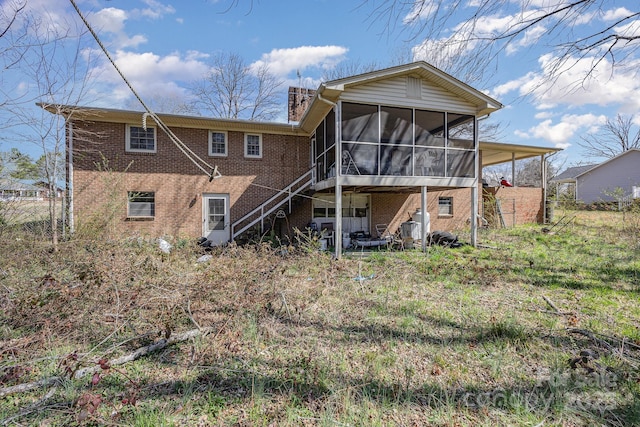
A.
pixel 505 183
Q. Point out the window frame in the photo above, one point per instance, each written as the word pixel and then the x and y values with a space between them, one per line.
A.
pixel 449 204
pixel 139 194
pixel 140 150
pixel 226 143
pixel 246 146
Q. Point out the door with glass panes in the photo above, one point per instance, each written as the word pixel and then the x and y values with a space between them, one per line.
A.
pixel 216 218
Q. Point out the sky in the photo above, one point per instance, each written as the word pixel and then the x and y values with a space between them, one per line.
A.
pixel 162 46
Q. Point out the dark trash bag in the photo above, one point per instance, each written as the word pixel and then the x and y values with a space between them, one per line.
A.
pixel 444 238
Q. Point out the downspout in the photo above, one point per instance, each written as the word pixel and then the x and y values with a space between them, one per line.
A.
pixel 326 101
pixel 69 189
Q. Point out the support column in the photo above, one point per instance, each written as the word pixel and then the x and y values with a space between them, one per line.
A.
pixel 337 238
pixel 513 169
pixel 474 215
pixel 423 220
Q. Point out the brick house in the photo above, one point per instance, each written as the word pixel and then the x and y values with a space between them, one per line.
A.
pixel 364 150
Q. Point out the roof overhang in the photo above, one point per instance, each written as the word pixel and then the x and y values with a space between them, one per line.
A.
pixel 98 114
pixel 494 153
pixel 329 92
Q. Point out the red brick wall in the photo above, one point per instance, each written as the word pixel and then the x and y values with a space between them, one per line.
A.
pixel 522 204
pixel 394 209
pixel 101 186
pixel 178 184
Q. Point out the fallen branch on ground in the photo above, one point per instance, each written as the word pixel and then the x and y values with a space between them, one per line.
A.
pixel 604 342
pixel 80 373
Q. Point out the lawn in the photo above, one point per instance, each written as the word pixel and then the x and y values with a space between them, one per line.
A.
pixel 532 328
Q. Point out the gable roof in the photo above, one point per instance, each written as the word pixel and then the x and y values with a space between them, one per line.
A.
pixel 329 92
pixel 571 174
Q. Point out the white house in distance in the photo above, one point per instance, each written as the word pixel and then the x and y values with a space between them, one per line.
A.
pixel 610 181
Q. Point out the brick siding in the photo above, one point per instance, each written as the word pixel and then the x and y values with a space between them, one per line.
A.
pixel 178 184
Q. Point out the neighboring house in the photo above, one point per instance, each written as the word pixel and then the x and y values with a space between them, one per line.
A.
pixel 612 180
pixel 13 189
pixel 360 151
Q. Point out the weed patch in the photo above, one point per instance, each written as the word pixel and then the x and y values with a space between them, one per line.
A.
pixel 531 328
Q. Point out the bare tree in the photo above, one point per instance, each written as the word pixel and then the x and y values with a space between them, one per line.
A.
pixel 348 69
pixel 12 43
pixel 527 171
pixel 615 137
pixel 451 29
pixel 55 66
pixel 235 90
pixel 163 104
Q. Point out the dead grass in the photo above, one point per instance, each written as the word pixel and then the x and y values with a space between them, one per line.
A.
pixel 457 337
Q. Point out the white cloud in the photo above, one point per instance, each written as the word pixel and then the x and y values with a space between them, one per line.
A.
pixel 420 10
pixel 151 74
pixel 156 9
pixel 112 20
pixel 549 87
pixel 562 132
pixel 513 85
pixel 615 14
pixel 630 29
pixel 281 62
pixel 530 37
pixel 544 115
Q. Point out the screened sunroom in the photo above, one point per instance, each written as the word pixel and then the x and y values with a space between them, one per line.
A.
pixel 384 141
pixel 403 130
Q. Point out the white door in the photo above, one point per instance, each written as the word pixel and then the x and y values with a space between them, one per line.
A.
pixel 216 218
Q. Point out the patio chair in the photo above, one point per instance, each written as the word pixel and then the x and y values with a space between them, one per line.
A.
pixel 326 231
pixel 393 239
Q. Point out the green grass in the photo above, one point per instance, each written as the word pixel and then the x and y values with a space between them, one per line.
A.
pixel 451 337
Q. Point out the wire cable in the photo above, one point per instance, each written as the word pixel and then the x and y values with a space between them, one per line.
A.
pixel 211 171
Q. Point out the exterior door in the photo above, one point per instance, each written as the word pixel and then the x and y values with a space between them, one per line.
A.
pixel 216 218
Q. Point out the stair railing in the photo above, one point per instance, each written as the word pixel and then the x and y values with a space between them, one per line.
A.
pixel 283 196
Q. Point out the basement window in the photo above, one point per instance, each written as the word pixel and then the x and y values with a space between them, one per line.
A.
pixel 141 204
pixel 445 206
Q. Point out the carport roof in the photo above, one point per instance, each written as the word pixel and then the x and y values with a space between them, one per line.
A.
pixel 494 153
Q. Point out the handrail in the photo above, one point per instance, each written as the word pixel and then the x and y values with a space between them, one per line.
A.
pixel 289 193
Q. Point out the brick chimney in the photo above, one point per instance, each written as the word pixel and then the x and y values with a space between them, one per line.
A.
pixel 298 102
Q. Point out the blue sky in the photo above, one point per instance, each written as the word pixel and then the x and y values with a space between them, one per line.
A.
pixel 163 45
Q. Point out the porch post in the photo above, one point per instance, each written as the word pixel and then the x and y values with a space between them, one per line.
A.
pixel 474 215
pixel 423 220
pixel 513 169
pixel 337 238
pixel 474 189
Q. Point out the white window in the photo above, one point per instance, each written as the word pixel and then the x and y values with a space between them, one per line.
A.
pixel 141 140
pixel 445 206
pixel 217 143
pixel 253 145
pixel 141 204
